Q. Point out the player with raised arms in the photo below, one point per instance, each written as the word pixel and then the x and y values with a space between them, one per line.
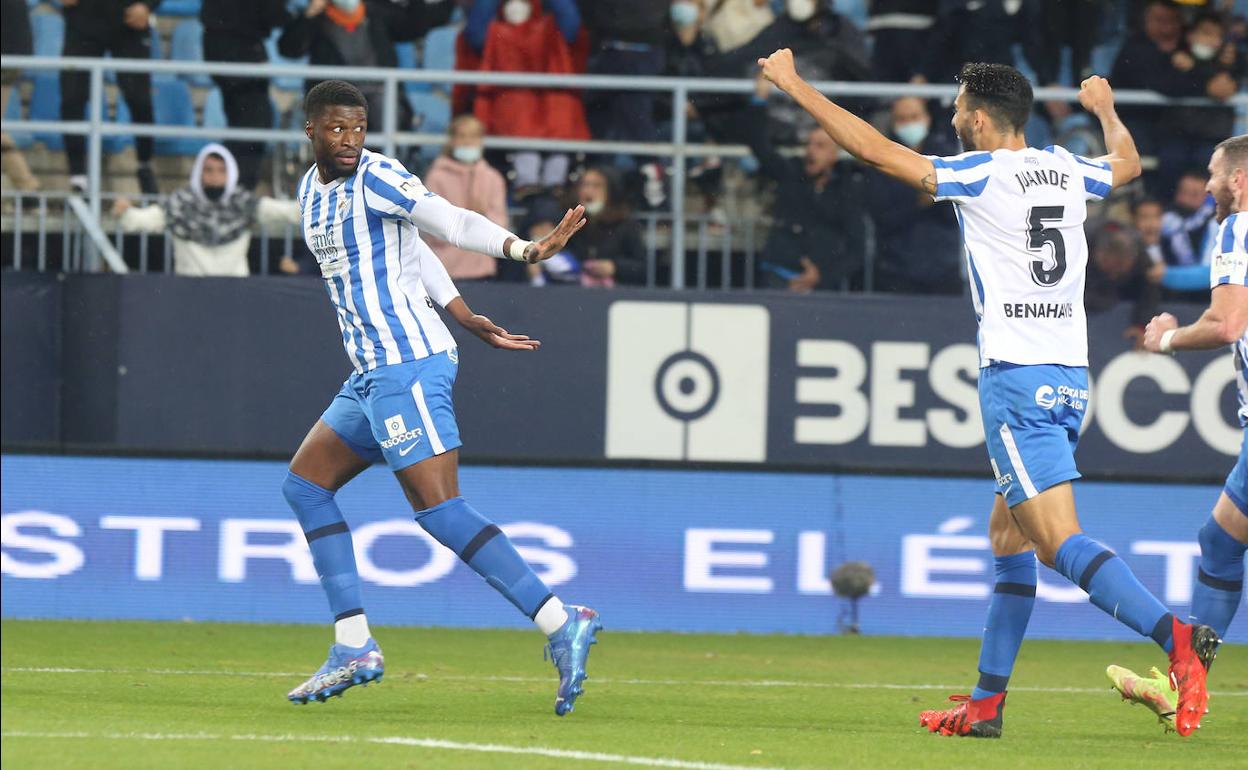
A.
pixel 1022 212
pixel 362 213
pixel 1224 537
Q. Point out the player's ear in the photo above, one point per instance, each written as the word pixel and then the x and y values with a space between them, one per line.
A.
pixel 307 128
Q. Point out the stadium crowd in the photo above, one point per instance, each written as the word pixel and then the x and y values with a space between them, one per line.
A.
pixel 825 209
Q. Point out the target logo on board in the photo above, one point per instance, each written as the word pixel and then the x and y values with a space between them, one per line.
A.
pixel 687 381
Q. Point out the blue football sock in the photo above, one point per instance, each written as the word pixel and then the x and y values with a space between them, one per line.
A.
pixel 1114 588
pixel 1220 583
pixel 482 546
pixel 1013 597
pixel 329 539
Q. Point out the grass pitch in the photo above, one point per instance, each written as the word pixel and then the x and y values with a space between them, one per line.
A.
pixel 170 695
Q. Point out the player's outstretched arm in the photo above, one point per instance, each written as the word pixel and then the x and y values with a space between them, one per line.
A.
pixel 857 136
pixel 493 334
pixel 1224 322
pixel 1124 160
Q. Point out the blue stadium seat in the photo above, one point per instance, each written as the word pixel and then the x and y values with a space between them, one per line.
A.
pixel 214 110
pixel 180 8
pixel 283 83
pixel 173 107
pixel 48 33
pixel 434 111
pixel 14 112
pixel 45 104
pixel 405 53
pixel 187 44
pixel 439 51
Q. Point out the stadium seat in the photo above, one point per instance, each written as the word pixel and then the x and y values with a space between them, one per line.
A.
pixel 14 112
pixel 434 111
pixel 406 56
pixel 187 44
pixel 48 33
pixel 179 8
pixel 439 52
pixel 285 83
pixel 173 107
pixel 214 110
pixel 45 104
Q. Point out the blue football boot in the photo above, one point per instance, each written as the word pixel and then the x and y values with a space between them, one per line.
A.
pixel 569 648
pixel 344 668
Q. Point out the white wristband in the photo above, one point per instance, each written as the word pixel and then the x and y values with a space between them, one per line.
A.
pixel 1164 343
pixel 517 249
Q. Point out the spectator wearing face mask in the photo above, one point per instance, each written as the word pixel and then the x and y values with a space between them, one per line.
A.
pixel 525 36
pixel 609 247
pixel 1206 65
pixel 1188 228
pixel 917 242
pixel 209 220
pixel 463 177
pixel 826 46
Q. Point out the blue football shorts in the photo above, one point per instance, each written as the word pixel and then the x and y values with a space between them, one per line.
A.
pixel 402 412
pixel 1237 483
pixel 1032 416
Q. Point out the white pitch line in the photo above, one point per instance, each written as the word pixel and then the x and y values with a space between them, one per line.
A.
pixel 399 740
pixel 759 683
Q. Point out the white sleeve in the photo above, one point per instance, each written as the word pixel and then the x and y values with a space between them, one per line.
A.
pixel 961 178
pixel 434 276
pixel 1230 253
pixel 397 194
pixel 143 219
pixel 272 211
pixel 1098 175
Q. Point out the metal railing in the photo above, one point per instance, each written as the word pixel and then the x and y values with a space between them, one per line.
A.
pixel 678 89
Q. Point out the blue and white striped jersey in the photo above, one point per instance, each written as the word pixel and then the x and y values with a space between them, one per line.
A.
pixel 361 232
pixel 1022 215
pixel 1230 266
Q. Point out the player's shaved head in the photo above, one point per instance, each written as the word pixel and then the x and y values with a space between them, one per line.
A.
pixel 1228 176
pixel 332 93
pixel 1000 91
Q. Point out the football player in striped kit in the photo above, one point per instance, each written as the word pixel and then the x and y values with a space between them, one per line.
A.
pixel 362 213
pixel 1223 539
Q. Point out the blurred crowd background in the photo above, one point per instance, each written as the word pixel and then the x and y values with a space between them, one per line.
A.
pixel 818 211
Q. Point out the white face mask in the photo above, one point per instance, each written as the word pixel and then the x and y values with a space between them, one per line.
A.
pixel 684 13
pixel 594 208
pixel 801 10
pixel 466 154
pixel 1203 52
pixel 347 6
pixel 911 134
pixel 517 11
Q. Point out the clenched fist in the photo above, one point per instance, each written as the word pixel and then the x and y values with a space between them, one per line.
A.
pixel 779 68
pixel 1095 95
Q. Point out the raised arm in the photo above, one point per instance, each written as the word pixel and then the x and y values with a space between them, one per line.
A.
pixel 857 136
pixel 1224 322
pixel 1124 160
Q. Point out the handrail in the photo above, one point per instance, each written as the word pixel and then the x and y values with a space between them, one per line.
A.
pixel 679 90
pixel 548 80
pixel 91 226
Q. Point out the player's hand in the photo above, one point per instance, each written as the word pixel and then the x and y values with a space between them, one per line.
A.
pixel 1157 327
pixel 137 15
pixel 780 69
pixel 496 336
pixel 554 242
pixel 1095 95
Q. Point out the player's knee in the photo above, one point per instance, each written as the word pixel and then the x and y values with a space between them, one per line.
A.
pixel 300 492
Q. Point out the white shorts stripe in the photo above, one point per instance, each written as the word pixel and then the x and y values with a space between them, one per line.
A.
pixel 1016 460
pixel 435 441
